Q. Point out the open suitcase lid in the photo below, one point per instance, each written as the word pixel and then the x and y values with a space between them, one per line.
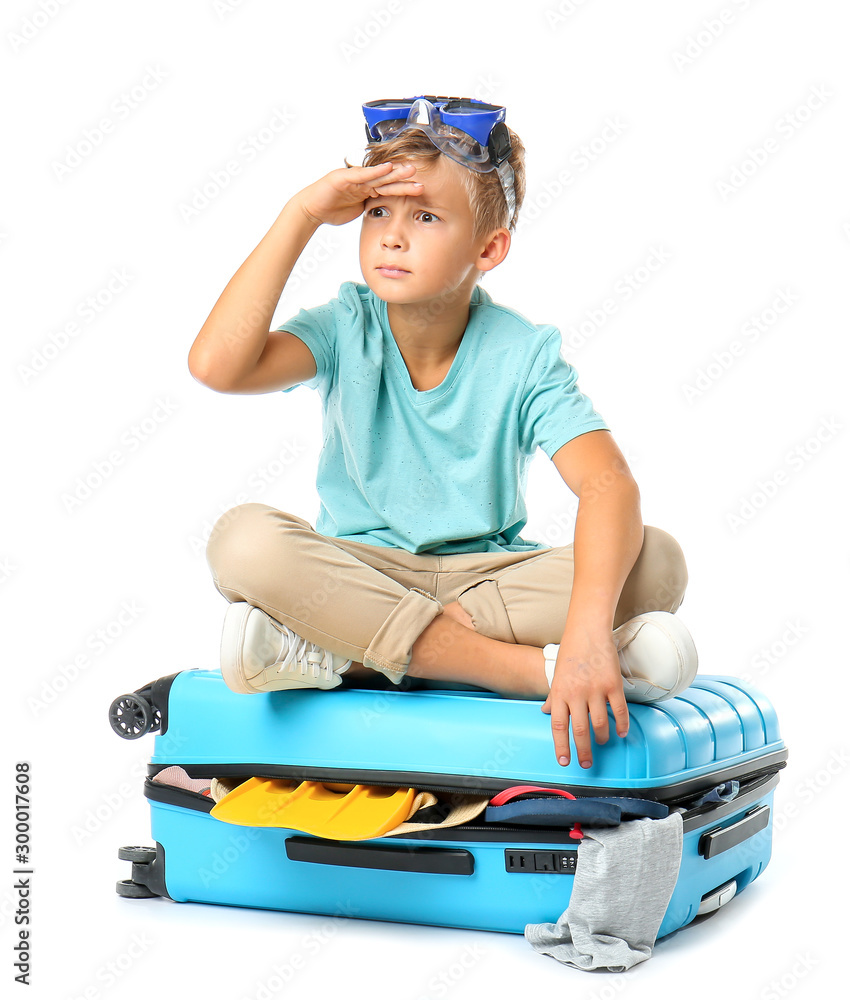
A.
pixel 475 741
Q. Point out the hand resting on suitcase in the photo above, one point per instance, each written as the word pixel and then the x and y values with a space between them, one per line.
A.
pixel 609 537
pixel 587 679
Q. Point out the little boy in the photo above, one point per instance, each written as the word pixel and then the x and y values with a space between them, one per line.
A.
pixel 435 399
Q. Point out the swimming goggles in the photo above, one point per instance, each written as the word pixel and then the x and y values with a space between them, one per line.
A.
pixel 470 132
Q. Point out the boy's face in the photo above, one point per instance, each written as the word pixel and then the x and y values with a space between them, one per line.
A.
pixel 428 236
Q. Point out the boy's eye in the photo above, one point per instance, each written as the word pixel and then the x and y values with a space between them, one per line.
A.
pixel 425 216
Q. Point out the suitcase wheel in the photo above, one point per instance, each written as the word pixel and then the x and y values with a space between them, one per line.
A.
pixel 147 880
pixel 132 890
pixel 138 855
pixel 131 716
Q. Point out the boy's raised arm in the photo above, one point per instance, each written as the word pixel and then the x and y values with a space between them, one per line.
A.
pixel 235 351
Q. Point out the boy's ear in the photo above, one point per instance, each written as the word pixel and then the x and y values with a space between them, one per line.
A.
pixel 495 250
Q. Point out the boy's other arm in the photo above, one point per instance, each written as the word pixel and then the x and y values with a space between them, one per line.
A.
pixel 608 539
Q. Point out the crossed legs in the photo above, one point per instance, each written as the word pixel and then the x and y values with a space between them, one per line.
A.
pixel 449 649
pixel 376 605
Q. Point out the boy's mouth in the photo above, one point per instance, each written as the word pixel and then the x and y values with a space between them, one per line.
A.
pixel 391 272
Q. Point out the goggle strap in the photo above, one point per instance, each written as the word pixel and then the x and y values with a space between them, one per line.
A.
pixel 506 176
pixel 499 144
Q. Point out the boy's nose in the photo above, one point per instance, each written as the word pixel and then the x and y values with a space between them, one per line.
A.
pixel 392 241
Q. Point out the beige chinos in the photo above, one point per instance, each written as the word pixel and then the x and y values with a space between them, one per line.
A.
pixel 370 603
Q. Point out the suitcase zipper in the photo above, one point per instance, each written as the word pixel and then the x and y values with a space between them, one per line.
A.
pixel 184 798
pixel 402 780
pixel 194 801
pixel 204 771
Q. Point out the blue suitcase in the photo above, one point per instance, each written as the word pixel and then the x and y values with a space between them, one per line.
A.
pixel 481 875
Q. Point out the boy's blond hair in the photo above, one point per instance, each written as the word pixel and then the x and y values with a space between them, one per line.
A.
pixel 486 198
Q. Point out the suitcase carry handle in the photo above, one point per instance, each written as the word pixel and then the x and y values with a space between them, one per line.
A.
pixel 428 860
pixel 724 838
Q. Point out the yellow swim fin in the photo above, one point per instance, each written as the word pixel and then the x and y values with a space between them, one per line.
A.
pixel 336 811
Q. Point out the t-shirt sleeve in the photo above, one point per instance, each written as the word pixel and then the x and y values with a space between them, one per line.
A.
pixel 553 410
pixel 315 327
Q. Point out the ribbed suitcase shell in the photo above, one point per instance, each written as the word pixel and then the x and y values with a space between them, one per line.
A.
pixel 720 728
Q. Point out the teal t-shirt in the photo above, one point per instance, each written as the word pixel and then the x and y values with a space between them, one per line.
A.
pixel 442 470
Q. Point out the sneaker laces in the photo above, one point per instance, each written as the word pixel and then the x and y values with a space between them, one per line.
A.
pixel 307 657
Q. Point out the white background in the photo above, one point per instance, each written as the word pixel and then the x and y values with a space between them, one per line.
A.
pixel 730 160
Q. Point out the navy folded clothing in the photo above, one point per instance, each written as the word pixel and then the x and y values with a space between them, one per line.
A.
pixel 535 810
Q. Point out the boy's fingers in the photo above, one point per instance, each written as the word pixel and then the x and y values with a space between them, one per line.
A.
pixel 379 168
pixel 620 708
pixel 581 734
pixel 396 187
pixel 378 180
pixel 599 720
pixel 561 730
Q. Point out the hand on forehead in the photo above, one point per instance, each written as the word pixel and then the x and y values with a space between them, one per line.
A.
pixel 440 182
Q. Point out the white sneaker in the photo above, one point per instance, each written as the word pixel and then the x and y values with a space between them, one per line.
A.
pixel 259 653
pixel 658 658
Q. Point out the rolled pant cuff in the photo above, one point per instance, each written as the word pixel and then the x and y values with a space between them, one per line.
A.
pixel 390 649
pixel 484 604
